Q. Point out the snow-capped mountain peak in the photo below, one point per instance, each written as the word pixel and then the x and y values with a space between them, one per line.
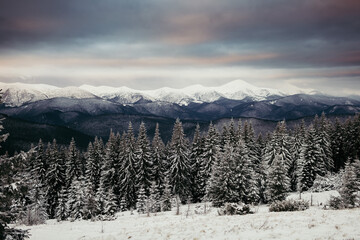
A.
pixel 17 94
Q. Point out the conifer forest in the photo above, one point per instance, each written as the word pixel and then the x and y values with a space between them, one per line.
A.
pixel 132 172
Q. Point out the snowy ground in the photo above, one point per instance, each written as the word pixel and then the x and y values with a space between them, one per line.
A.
pixel 313 223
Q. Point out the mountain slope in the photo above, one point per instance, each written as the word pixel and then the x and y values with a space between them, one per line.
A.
pixel 18 94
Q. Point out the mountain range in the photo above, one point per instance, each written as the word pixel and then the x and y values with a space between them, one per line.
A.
pixel 91 111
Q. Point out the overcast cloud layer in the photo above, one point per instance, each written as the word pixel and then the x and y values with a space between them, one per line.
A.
pixel 155 43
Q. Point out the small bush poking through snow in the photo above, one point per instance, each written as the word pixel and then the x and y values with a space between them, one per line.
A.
pixel 336 203
pixel 289 206
pixel 234 209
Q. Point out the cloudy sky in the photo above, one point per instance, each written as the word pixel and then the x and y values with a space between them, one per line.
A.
pixel 154 43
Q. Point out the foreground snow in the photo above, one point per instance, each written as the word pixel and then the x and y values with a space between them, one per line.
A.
pixel 313 223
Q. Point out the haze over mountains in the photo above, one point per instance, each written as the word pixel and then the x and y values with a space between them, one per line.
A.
pixel 91 111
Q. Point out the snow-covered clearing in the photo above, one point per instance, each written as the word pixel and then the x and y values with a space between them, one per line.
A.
pixel 314 223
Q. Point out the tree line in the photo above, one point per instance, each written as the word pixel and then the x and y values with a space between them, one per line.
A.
pixel 133 172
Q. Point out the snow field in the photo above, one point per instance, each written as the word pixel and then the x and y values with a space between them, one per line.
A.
pixel 314 223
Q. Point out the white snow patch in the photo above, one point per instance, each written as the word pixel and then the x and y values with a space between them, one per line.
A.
pixel 314 223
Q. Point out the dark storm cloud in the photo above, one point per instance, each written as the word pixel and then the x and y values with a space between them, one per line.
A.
pixel 287 34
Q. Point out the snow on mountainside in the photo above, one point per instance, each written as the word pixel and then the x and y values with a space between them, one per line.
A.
pixel 236 90
pixel 17 94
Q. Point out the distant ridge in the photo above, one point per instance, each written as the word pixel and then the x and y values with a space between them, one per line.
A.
pixel 17 94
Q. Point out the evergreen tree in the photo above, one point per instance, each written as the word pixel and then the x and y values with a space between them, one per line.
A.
pixel 245 177
pixel 128 169
pixel 166 197
pixel 143 160
pixel 179 172
pixel 91 206
pixel 260 174
pixel 110 170
pixel 324 141
pixel 110 206
pixel 76 199
pixel 239 131
pixel 36 210
pixel 277 181
pixel 40 166
pixel 338 142
pixel 197 190
pixel 158 158
pixel 255 167
pixel 154 199
pixel 310 163
pixel 92 172
pixel 55 178
pixel 73 164
pixel 350 187
pixel 297 143
pixel 279 144
pixel 209 157
pixel 221 187
pixel 141 201
pixel 100 200
pixel 61 210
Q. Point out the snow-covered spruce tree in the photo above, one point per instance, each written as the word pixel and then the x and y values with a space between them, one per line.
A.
pixel 352 137
pixel 55 178
pixel 110 206
pixel 254 162
pixel 158 159
pixel 91 207
pixel 106 195
pixel 92 173
pixel 278 183
pixel 100 198
pixel 196 153
pixel 141 201
pixel 239 131
pixel 338 143
pixel 232 132
pixel 154 199
pixel 209 157
pixel 110 170
pixel 179 172
pixel 298 140
pixel 324 141
pixel 127 181
pixel 279 144
pixel 221 185
pixel 99 155
pixel 310 161
pixel 166 197
pixel 73 164
pixel 143 160
pixel 39 169
pixel 61 211
pixel 246 184
pixel 350 187
pixel 261 174
pixel 225 137
pixel 36 211
pixel 76 199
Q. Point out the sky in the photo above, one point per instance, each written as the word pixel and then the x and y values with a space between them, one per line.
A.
pixel 154 43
